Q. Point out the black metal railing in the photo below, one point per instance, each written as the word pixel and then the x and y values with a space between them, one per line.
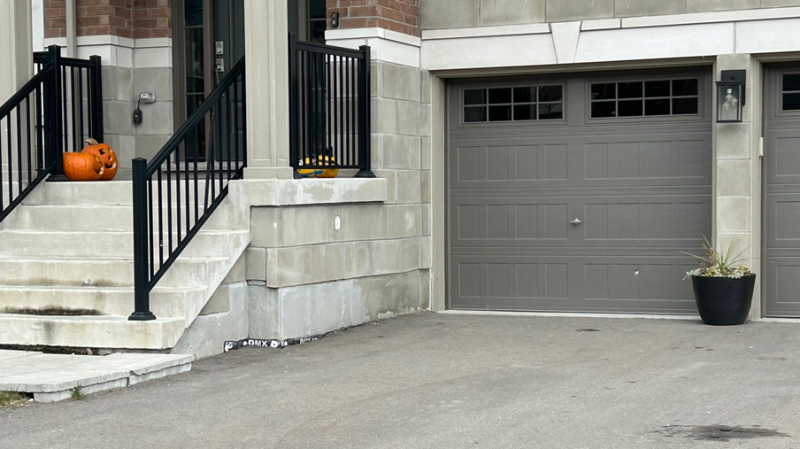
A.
pixel 75 102
pixel 174 195
pixel 329 107
pixel 44 119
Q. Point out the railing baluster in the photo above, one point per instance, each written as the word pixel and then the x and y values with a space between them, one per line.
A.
pixel 228 133
pixel 169 208
pixel 150 234
pixel 160 223
pixel 64 102
pixel 28 136
pixel 19 150
pixel 2 204
pixel 177 196
pixel 80 104
pixel 10 158
pixel 188 197
pixel 236 122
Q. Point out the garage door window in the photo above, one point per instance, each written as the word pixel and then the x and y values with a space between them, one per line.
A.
pixel 522 103
pixel 791 92
pixel 645 98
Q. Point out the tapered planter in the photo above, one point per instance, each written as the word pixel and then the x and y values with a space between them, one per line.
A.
pixel 723 301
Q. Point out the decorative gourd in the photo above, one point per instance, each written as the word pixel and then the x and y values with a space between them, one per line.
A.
pixel 82 167
pixel 319 172
pixel 106 155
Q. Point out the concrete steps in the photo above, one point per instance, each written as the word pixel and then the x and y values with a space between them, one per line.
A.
pixel 83 244
pixel 107 217
pixel 89 331
pixel 70 246
pixel 117 301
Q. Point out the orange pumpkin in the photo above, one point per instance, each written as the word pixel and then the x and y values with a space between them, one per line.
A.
pixel 106 155
pixel 82 167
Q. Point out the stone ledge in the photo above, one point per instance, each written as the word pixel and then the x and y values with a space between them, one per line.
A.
pixel 299 192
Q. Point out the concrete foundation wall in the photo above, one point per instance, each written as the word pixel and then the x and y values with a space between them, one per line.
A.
pixel 436 14
pixel 315 309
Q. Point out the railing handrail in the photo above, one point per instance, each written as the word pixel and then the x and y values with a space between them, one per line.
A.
pixel 193 120
pixel 25 90
pixel 149 248
pixel 329 49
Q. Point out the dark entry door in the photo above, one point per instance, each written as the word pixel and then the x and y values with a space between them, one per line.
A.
pixel 782 192
pixel 578 194
pixel 209 42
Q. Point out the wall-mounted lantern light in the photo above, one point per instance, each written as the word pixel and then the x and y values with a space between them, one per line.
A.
pixel 730 96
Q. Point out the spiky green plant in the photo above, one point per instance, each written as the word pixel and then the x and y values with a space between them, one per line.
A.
pixel 720 263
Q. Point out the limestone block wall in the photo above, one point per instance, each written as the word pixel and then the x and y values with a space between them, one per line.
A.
pixel 737 175
pixel 436 14
pixel 313 269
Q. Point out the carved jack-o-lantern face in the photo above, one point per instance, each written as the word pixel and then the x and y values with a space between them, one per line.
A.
pixel 82 167
pixel 106 155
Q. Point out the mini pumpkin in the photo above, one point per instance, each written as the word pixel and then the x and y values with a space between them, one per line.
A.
pixel 82 167
pixel 319 172
pixel 106 155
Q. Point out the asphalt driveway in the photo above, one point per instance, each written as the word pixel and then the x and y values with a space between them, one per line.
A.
pixel 442 381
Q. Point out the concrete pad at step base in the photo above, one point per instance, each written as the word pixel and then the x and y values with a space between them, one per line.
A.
pixel 53 377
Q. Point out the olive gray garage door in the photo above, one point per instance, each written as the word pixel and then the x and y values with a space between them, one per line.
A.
pixel 782 192
pixel 578 194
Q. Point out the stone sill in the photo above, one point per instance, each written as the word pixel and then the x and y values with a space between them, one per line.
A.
pixel 300 192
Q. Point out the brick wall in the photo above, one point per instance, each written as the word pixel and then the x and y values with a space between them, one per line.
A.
pixel 124 18
pixel 396 15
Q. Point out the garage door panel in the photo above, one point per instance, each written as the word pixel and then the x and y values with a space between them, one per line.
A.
pixel 639 188
pixel 627 221
pixel 562 284
pixel 591 165
pixel 781 284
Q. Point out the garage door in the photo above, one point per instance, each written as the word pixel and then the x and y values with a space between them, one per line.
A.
pixel 578 194
pixel 782 192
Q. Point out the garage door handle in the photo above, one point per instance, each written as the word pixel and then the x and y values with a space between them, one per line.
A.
pixel 575 222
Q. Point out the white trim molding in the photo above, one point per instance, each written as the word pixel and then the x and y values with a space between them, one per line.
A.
pixel 386 46
pixel 613 40
pixel 121 51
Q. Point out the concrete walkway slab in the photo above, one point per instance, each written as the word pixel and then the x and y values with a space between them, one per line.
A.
pixel 53 377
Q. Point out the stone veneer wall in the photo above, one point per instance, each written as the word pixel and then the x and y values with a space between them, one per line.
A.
pixel 395 15
pixel 435 14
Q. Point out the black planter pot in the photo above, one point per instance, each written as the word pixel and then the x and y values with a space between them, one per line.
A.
pixel 723 301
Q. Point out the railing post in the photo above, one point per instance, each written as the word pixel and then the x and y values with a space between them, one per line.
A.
pixel 294 156
pixel 56 125
pixel 97 99
pixel 364 116
pixel 140 243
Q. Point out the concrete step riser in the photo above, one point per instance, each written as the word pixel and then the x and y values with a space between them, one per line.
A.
pixel 89 245
pixel 110 218
pixel 182 274
pixel 110 193
pixel 164 304
pixel 90 332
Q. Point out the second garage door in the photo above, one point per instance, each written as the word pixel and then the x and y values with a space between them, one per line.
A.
pixel 578 194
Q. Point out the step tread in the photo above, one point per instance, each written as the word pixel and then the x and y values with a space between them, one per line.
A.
pixel 72 288
pixel 92 318
pixel 35 231
pixel 99 259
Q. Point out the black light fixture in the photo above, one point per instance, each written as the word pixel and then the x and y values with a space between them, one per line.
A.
pixel 730 96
